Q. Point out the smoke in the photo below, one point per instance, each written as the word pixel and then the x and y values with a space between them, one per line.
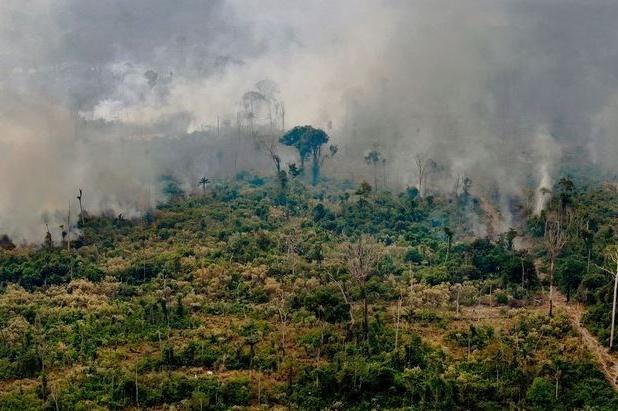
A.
pixel 105 95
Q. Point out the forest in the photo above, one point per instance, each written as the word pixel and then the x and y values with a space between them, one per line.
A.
pixel 308 205
pixel 306 292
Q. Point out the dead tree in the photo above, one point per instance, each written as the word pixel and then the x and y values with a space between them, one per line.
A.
pixel 48 238
pixel 284 316
pixel 374 158
pixel 203 182
pixel 346 299
pixel 398 317
pixel 457 185
pixel 269 144
pixel 555 239
pixel 63 233
pixel 362 258
pixel 384 174
pixel 423 165
pixel 611 255
pixel 81 209
pixel 69 228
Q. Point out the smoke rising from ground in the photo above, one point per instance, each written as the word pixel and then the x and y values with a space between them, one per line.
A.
pixel 101 95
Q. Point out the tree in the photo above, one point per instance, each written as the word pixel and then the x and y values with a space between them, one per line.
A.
pixel 374 158
pixel 611 255
pixel 361 260
pixel 540 393
pixel 569 273
pixel 449 241
pixel 588 238
pixel 171 187
pixel 384 172
pixel 510 237
pixel 293 170
pixel 364 189
pixel 48 238
pixel 270 145
pixel 555 238
pixel 308 141
pixel 423 165
pixel 203 182
pixel 6 243
pixel 81 209
pixel 567 187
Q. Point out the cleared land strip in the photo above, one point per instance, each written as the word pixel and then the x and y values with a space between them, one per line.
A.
pixel 606 360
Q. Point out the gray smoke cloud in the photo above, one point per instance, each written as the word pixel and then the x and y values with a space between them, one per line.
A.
pixel 108 96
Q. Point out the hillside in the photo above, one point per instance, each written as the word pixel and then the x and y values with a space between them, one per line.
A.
pixel 258 296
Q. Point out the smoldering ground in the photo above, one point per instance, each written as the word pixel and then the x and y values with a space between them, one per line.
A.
pixel 105 95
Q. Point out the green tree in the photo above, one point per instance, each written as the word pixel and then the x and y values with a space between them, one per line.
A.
pixel 449 241
pixel 569 274
pixel 308 141
pixel 540 394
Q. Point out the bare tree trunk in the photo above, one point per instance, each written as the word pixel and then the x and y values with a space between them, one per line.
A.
pixel 365 314
pixel 136 389
pixel 523 273
pixel 81 209
pixel 458 294
pixel 397 328
pixel 611 334
pixel 557 383
pixel 259 394
pixel 345 298
pixel 69 228
pixel 551 287
pixel 69 242
pixel 375 177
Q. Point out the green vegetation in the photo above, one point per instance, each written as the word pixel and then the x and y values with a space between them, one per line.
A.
pixel 254 293
pixel 585 270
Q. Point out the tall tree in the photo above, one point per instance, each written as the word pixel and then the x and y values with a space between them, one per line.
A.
pixel 308 141
pixel 555 239
pixel 449 241
pixel 361 259
pixel 48 238
pixel 566 190
pixel 384 172
pixel 203 182
pixel 611 256
pixel 81 209
pixel 270 146
pixel 423 165
pixel 374 158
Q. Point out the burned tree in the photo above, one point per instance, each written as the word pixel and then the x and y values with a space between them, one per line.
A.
pixel 361 259
pixel 384 172
pixel 6 243
pixel 203 182
pixel 81 208
pixel 449 241
pixel 555 239
pixel 374 158
pixel 423 166
pixel 270 146
pixel 611 256
pixel 49 244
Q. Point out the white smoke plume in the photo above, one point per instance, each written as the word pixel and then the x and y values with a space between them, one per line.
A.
pixel 104 95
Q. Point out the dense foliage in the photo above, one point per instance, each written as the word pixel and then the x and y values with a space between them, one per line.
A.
pixel 252 293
